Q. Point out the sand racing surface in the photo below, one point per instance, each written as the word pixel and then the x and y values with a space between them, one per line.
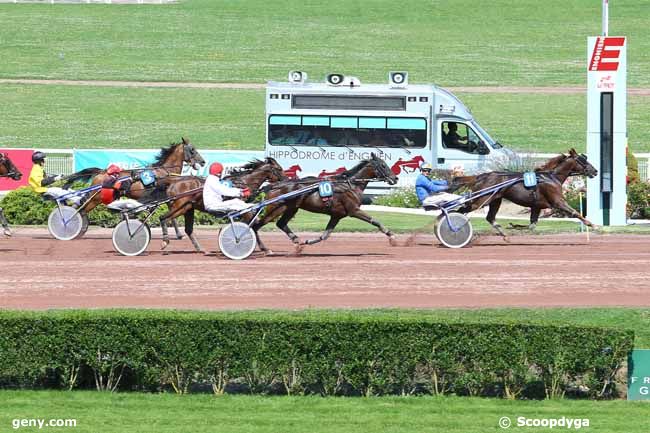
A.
pixel 349 270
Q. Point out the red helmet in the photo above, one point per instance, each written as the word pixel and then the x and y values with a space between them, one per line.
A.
pixel 216 169
pixel 113 169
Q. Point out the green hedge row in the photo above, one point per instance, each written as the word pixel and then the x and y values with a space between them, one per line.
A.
pixel 25 207
pixel 337 353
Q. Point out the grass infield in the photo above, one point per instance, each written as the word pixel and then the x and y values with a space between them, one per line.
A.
pixel 95 412
pixel 107 117
pixel 459 42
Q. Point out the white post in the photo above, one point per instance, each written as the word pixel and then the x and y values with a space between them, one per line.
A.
pixel 605 17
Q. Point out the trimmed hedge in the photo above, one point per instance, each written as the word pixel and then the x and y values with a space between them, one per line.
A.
pixel 25 207
pixel 338 353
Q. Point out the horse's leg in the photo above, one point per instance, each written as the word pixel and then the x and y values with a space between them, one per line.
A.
pixel 561 204
pixel 534 217
pixel 189 230
pixel 179 235
pixel 283 224
pixel 359 214
pixel 271 214
pixel 5 224
pixel 172 213
pixel 492 216
pixel 331 225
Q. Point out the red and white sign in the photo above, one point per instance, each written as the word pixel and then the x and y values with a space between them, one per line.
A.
pixel 606 53
pixel 22 159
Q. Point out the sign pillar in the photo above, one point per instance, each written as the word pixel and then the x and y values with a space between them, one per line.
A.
pixel 607 130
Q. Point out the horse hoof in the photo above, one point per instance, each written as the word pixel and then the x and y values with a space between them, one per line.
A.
pixel 298 248
pixel 164 244
pixel 179 237
pixel 8 233
pixel 392 241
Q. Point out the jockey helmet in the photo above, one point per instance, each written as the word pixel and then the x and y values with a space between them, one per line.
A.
pixel 216 169
pixel 37 157
pixel 426 166
pixel 113 169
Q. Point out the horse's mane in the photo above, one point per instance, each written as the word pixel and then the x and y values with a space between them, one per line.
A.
pixel 165 152
pixel 247 168
pixel 551 163
pixel 354 170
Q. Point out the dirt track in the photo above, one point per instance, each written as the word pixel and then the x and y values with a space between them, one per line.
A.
pixel 349 270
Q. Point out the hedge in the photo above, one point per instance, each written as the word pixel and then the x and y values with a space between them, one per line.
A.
pixel 333 353
pixel 25 207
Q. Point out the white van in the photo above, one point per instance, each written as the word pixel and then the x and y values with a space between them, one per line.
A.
pixel 321 129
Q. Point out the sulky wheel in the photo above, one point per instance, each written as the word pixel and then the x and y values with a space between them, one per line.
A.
pixel 454 230
pixel 237 240
pixel 65 223
pixel 85 224
pixel 131 237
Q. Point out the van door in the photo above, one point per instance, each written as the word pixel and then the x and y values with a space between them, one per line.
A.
pixel 460 146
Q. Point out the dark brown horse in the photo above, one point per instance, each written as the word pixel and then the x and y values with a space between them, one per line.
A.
pixel 251 175
pixel 7 169
pixel 547 194
pixel 168 163
pixel 348 188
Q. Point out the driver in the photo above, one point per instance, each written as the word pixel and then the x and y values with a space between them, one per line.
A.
pixel 215 189
pixel 453 139
pixel 38 180
pixel 431 191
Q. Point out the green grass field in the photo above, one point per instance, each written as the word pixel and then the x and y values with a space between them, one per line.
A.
pixel 449 42
pixel 104 117
pixel 102 412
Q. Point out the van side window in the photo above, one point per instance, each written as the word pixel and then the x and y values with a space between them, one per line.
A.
pixel 459 136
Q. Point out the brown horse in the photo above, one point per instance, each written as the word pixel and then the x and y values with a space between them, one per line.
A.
pixel 7 169
pixel 252 175
pixel 168 163
pixel 547 194
pixel 348 188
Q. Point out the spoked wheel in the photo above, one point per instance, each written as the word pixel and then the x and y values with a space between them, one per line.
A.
pixel 454 230
pixel 237 241
pixel 65 223
pixel 131 237
pixel 85 224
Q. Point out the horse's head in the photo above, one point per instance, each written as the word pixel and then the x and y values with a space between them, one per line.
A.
pixel 8 169
pixel 381 170
pixel 580 164
pixel 191 155
pixel 276 172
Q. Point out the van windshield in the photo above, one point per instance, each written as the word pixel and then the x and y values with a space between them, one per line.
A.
pixel 344 131
pixel 493 143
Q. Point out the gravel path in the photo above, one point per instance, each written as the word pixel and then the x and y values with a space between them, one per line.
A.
pixel 568 90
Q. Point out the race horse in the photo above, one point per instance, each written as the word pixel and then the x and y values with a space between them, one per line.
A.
pixel 190 191
pixel 7 169
pixel 547 193
pixel 168 163
pixel 347 194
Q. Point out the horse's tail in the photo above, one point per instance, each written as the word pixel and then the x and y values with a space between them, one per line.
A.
pixel 82 176
pixel 462 182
